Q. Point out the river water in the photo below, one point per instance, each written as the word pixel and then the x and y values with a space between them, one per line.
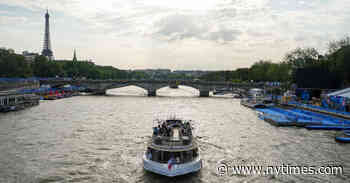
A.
pixel 102 139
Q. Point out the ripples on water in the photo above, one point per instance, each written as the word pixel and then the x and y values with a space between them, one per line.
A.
pixel 102 138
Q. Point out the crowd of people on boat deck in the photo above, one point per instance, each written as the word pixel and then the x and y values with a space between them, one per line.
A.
pixel 164 129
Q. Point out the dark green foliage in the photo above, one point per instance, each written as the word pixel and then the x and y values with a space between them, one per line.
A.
pixel 44 68
pixel 339 63
pixel 12 65
pixel 304 66
pixel 260 71
pixel 302 57
pixel 214 76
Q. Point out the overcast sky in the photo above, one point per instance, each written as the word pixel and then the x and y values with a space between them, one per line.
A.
pixel 175 34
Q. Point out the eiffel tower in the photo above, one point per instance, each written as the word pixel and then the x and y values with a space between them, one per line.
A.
pixel 47 42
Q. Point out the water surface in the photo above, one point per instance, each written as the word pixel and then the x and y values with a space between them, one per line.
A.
pixel 102 138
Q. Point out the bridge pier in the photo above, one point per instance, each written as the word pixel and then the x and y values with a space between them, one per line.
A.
pixel 203 93
pixel 152 93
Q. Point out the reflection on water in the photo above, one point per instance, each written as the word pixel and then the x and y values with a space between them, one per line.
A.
pixel 102 138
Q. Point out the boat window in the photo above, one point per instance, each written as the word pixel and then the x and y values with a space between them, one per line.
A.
pixel 162 156
pixel 177 157
pixel 149 154
pixel 195 153
pixel 12 100
pixel 155 155
pixel 188 156
pixel 165 156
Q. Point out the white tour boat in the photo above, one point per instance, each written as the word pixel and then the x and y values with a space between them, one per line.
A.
pixel 172 150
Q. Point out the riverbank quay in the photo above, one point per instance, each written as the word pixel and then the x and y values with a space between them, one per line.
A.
pixel 12 101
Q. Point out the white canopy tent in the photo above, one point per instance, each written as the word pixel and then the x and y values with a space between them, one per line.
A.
pixel 342 93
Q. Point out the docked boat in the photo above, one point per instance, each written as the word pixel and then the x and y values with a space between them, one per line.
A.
pixel 14 101
pixel 238 96
pixel 327 127
pixel 172 150
pixel 50 97
pixel 344 137
pixel 256 99
pixel 256 103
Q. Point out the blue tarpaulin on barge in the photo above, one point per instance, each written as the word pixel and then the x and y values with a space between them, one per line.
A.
pixel 300 117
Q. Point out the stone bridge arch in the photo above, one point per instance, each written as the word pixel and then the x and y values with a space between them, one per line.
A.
pixel 195 87
pixel 119 85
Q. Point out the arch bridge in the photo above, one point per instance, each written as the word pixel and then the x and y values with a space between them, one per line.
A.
pixel 99 87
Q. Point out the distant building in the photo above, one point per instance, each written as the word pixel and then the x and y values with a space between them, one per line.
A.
pixel 29 57
pixel 75 59
pixel 74 56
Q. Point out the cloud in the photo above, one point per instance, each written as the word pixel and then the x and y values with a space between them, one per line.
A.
pixel 8 20
pixel 177 31
pixel 180 26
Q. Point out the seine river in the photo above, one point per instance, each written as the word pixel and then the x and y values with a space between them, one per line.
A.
pixel 102 139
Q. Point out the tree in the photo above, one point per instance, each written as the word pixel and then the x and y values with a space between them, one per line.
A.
pixel 302 57
pixel 334 46
pixel 13 65
pixel 242 74
pixel 339 63
pixel 259 71
pixel 42 67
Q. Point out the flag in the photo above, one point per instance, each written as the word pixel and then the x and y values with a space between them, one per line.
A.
pixel 171 162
